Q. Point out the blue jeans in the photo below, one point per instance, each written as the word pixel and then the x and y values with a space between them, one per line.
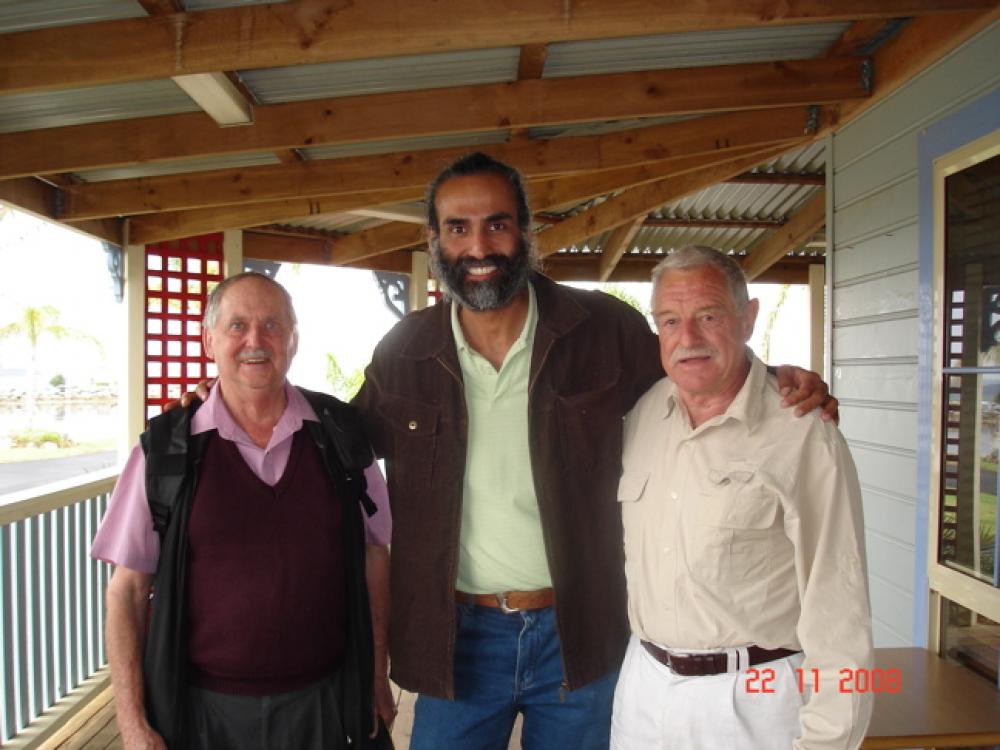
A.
pixel 510 664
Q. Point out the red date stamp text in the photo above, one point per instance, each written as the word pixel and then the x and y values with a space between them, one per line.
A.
pixel 848 680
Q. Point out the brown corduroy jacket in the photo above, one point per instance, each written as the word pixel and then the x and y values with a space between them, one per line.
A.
pixel 593 357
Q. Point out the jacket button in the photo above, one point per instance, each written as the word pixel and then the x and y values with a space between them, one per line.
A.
pixel 413 424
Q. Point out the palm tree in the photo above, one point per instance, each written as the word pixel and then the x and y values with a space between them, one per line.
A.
pixel 34 324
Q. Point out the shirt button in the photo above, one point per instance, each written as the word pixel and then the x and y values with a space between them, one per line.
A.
pixel 666 549
pixel 673 495
pixel 413 424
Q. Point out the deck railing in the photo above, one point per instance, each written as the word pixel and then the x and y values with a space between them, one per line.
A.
pixel 52 623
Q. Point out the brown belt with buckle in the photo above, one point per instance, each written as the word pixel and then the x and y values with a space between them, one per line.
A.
pixel 698 665
pixel 509 601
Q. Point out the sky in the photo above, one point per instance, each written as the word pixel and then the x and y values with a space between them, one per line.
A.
pixel 340 310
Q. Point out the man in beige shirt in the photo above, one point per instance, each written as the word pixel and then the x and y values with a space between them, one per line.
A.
pixel 744 542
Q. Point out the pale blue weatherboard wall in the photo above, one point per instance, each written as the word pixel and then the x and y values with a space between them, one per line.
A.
pixel 877 340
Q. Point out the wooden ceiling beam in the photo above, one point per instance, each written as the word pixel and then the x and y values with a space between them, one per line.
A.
pixel 318 251
pixel 583 267
pixel 639 201
pixel 377 241
pixel 615 247
pixel 548 193
pixel 171 225
pixel 685 223
pixel 410 114
pixel 544 193
pixel 799 228
pixel 856 38
pixel 531 61
pixel 313 31
pixel 714 134
pixel 41 199
pixel 922 42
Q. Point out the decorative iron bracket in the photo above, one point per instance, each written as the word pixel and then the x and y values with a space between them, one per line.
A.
pixel 395 289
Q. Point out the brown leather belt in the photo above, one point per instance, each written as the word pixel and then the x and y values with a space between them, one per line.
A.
pixel 697 665
pixel 509 601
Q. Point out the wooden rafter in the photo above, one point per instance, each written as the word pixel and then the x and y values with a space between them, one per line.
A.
pixel 377 241
pixel 169 225
pixel 920 43
pixel 639 201
pixel 583 267
pixel 799 228
pixel 686 223
pixel 708 135
pixel 312 31
pixel 616 246
pixel 353 119
pixel 856 37
pixel 531 61
pixel 545 193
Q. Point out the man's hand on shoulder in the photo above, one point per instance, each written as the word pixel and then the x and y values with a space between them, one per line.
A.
pixel 805 390
pixel 201 391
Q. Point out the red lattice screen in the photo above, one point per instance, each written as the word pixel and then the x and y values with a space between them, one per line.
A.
pixel 180 274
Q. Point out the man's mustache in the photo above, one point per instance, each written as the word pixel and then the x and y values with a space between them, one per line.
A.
pixel 249 354
pixel 684 353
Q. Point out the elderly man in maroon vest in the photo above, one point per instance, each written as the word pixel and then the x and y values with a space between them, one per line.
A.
pixel 262 562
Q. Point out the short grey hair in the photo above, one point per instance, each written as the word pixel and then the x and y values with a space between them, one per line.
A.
pixel 699 256
pixel 215 298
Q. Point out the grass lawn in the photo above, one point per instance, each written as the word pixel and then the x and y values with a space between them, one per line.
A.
pixel 15 455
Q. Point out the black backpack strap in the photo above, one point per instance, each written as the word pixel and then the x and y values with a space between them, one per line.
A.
pixel 166 444
pixel 346 454
pixel 341 426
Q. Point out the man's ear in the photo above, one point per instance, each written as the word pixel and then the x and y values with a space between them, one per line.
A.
pixel 750 311
pixel 206 342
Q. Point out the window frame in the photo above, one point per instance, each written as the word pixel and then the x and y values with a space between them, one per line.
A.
pixel 971 593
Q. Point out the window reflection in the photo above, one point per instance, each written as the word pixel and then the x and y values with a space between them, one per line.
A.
pixel 971 373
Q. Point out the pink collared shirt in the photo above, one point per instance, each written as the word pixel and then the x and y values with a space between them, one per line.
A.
pixel 126 536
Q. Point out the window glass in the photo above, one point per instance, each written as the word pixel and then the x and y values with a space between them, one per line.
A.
pixel 971 372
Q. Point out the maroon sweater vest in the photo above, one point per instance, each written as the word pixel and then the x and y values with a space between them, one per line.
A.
pixel 266 580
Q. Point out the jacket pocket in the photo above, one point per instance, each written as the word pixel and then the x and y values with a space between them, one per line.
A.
pixel 414 435
pixel 590 421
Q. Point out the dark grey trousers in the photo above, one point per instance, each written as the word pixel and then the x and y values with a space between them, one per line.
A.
pixel 306 719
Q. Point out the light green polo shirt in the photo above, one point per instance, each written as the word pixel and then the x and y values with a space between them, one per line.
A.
pixel 501 546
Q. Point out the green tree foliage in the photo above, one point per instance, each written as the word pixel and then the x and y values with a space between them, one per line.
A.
pixel 343 386
pixel 57 380
pixel 618 293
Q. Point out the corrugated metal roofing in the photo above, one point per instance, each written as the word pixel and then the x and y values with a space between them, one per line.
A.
pixel 336 222
pixel 691 49
pixel 808 159
pixel 22 15
pixel 119 101
pixel 208 4
pixel 201 164
pixel 405 144
pixel 738 201
pixel 603 127
pixel 725 201
pixel 381 75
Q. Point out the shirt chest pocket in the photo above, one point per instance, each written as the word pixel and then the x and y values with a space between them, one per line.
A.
pixel 736 523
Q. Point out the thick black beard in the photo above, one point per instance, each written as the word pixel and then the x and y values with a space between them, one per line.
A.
pixel 511 279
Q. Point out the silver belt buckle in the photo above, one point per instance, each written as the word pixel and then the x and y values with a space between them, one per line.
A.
pixel 504 607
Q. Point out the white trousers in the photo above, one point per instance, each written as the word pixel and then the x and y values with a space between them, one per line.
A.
pixel 656 709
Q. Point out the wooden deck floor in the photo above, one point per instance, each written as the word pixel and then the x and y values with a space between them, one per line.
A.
pixel 100 732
